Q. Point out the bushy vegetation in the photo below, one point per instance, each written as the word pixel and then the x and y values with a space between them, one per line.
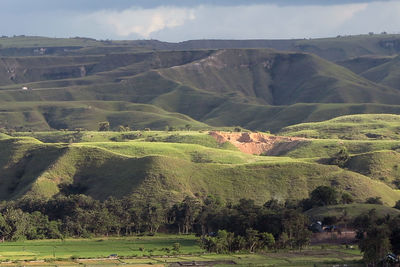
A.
pixel 224 228
pixel 377 236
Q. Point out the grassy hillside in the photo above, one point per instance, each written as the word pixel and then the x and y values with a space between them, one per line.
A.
pixel 380 165
pixel 274 118
pixel 357 127
pixel 327 148
pixel 379 69
pixel 386 74
pixel 364 63
pixel 181 137
pixel 43 116
pixel 70 115
pixel 278 78
pixel 167 171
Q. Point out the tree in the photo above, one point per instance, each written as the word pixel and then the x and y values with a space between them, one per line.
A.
pixel 184 214
pixel 267 240
pixel 274 204
pixel 364 221
pixel 397 205
pixel 223 242
pixel 375 245
pixel 188 127
pixel 346 198
pixel 208 214
pixel 104 126
pixel 190 209
pixel 341 158
pixel 295 225
pixel 18 224
pixel 283 240
pixel 122 128
pixel 5 228
pixel 252 238
pixel 323 195
pixel 374 200
pixel 153 216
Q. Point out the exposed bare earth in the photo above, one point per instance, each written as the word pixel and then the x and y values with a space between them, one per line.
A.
pixel 258 143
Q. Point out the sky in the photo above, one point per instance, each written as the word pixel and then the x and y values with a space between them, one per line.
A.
pixel 180 20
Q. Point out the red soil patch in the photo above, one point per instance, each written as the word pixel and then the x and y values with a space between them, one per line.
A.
pixel 258 143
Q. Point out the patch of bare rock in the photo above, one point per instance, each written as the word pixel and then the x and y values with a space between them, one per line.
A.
pixel 258 143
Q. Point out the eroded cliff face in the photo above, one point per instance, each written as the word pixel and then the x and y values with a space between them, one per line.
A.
pixel 258 143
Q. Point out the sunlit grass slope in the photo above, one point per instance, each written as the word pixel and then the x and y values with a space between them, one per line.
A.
pixel 167 171
pixel 380 165
pixel 357 127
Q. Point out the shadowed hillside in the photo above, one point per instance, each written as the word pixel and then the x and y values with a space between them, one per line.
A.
pixel 276 78
pixel 254 88
pixel 386 73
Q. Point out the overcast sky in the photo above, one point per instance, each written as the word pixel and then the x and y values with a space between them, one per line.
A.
pixel 179 20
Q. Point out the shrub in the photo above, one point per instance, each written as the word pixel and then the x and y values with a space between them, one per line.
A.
pixel 374 200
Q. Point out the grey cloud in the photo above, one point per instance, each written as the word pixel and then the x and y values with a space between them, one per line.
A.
pixel 122 19
pixel 8 6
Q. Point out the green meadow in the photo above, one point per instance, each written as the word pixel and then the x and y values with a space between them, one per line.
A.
pixel 158 250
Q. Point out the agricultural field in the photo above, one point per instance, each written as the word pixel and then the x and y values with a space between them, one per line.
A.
pixel 157 250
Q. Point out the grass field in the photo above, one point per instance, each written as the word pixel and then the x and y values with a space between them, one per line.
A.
pixel 157 250
pixel 97 248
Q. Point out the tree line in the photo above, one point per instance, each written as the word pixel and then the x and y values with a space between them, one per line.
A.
pixel 83 216
pixel 78 215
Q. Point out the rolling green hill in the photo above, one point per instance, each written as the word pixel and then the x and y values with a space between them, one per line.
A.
pixel 380 165
pixel 73 114
pixel 357 127
pixel 373 144
pixel 167 171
